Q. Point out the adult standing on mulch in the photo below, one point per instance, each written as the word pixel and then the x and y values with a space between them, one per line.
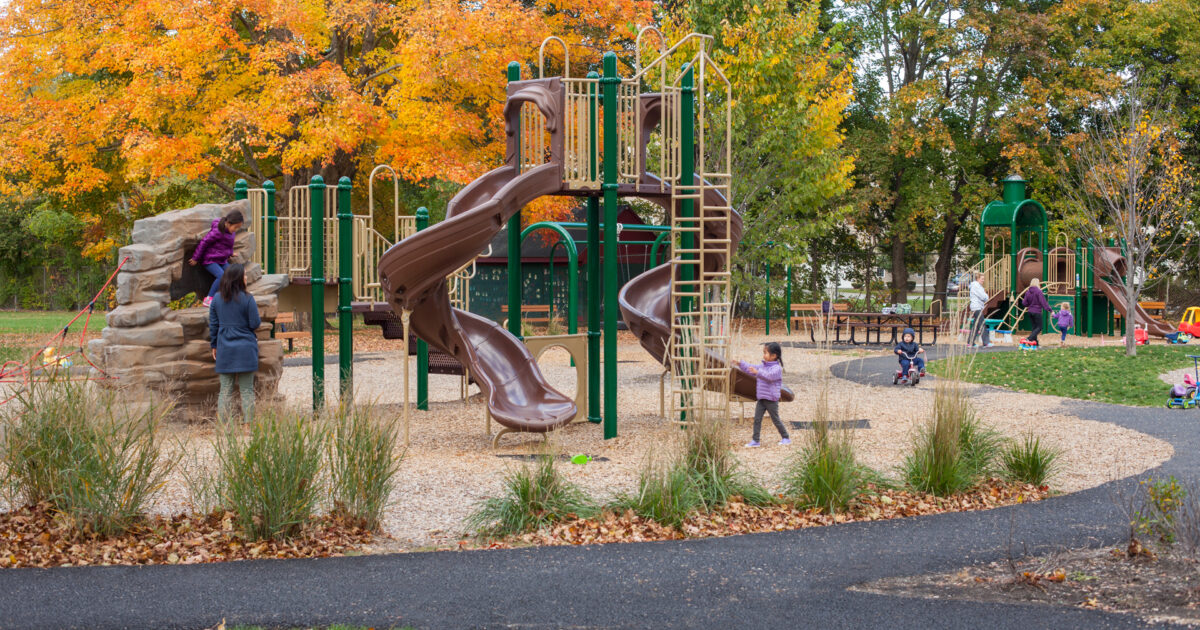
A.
pixel 979 300
pixel 1035 304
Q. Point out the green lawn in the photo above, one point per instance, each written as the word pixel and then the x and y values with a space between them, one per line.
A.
pixel 1102 374
pixel 42 322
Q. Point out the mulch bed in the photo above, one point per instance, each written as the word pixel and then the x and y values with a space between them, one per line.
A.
pixel 740 518
pixel 35 536
pixel 1133 579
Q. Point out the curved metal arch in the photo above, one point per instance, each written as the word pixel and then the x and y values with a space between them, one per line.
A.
pixel 395 197
pixel 572 267
pixel 637 58
pixel 542 57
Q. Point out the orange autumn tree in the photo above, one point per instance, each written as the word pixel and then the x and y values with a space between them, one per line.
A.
pixel 99 97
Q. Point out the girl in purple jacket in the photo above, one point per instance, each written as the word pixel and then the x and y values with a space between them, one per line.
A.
pixel 770 380
pixel 213 251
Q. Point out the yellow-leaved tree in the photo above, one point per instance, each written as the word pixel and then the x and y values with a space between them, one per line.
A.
pixel 102 99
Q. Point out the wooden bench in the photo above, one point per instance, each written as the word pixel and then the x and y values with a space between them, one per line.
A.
pixel 815 310
pixel 288 319
pixel 1157 310
pixel 540 311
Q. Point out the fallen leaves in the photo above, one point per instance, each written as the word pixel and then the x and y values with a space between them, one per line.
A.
pixel 740 518
pixel 34 536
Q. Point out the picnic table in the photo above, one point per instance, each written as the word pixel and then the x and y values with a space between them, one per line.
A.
pixel 877 328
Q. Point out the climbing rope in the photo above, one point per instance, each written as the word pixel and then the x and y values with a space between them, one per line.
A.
pixel 25 372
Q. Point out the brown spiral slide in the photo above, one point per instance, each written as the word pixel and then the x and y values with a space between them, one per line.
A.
pixel 413 275
pixel 646 305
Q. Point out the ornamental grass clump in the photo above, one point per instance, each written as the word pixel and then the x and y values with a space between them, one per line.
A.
pixel 666 494
pixel 953 451
pixel 1029 461
pixel 86 451
pixel 535 496
pixel 362 462
pixel 825 474
pixel 271 478
pixel 708 458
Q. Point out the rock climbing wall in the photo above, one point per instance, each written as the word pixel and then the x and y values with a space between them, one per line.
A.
pixel 153 350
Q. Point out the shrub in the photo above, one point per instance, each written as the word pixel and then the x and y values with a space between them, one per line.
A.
pixel 1159 507
pixel 271 478
pixel 86 452
pixel 362 463
pixel 666 494
pixel 1028 461
pixel 534 497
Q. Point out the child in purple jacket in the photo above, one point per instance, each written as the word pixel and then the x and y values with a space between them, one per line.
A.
pixel 213 251
pixel 770 380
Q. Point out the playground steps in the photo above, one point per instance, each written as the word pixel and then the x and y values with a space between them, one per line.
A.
pixel 392 328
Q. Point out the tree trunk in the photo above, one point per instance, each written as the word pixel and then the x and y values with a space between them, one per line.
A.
pixel 899 270
pixel 1131 297
pixel 945 261
pixel 814 273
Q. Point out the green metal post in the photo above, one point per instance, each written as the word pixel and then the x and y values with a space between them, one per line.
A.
pixel 593 268
pixel 422 347
pixel 1091 272
pixel 316 205
pixel 272 235
pixel 787 298
pixel 548 286
pixel 611 84
pixel 345 217
pixel 654 249
pixel 240 190
pixel 514 238
pixel 687 180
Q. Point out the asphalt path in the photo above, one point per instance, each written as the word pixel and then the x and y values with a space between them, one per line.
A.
pixel 776 580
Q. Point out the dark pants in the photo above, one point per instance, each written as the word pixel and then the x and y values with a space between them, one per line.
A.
pixel 771 407
pixel 1035 326
pixel 978 325
pixel 217 270
pixel 917 360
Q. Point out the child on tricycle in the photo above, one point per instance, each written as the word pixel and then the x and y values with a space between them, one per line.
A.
pixel 912 364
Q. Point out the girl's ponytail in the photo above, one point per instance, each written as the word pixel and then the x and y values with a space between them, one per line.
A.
pixel 234 216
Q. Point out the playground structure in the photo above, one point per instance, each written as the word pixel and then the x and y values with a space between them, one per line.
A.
pixel 1014 248
pixel 661 134
pixel 589 137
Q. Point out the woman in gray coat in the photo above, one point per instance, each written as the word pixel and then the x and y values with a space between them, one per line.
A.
pixel 232 319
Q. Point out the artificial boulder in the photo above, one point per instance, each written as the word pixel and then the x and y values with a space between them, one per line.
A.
pixel 152 350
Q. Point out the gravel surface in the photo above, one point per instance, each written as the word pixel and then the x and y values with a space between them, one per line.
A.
pixel 450 465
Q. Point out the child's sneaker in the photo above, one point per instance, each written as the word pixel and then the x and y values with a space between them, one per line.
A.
pixel 207 301
pixel 922 373
pixel 753 444
pixel 785 442
pixel 986 346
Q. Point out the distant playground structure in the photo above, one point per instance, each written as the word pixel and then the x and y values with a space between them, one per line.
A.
pixel 662 134
pixel 1015 248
